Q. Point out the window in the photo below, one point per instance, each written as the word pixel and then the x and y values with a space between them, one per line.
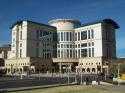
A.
pixel 84 45
pixel 61 36
pixel 13 39
pixel 20 44
pixel 64 36
pixel 89 52
pixel 70 53
pixel 78 45
pixel 70 36
pixel 20 35
pixel 88 34
pixel 67 36
pixel 61 45
pixel 92 52
pixel 58 36
pixel 67 53
pixel 83 52
pixel 92 33
pixel 78 35
pixel 67 45
pixel 70 45
pixel 20 52
pixel 75 36
pixel 83 35
pixel 93 69
pixel 88 69
pixel 79 53
pixel 92 43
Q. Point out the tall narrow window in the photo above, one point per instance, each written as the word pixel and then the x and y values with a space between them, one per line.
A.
pixel 58 53
pixel 67 36
pixel 61 36
pixel 70 36
pixel 89 52
pixel 92 33
pixel 78 35
pixel 20 52
pixel 75 36
pixel 70 53
pixel 92 52
pixel 64 36
pixel 83 52
pixel 20 35
pixel 58 36
pixel 79 53
pixel 88 34
pixel 83 35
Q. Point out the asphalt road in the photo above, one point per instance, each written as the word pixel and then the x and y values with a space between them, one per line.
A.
pixel 16 82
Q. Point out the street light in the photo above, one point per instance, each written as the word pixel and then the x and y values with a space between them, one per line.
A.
pixel 118 73
pixel 81 73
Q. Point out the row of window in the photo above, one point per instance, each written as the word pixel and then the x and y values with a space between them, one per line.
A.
pixel 81 53
pixel 82 45
pixel 69 36
pixel 20 64
pixel 65 36
pixel 89 63
pixel 83 35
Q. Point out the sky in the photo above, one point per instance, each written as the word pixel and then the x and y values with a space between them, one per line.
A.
pixel 44 10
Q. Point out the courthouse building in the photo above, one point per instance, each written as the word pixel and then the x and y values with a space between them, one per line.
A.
pixel 64 43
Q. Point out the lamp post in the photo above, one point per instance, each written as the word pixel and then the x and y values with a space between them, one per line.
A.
pixel 118 73
pixel 81 73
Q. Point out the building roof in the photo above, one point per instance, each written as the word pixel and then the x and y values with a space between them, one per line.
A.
pixel 20 22
pixel 64 20
pixel 110 21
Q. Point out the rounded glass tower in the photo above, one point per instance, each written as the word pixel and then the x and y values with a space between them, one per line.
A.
pixel 66 36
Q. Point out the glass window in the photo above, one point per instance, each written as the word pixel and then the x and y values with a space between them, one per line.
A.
pixel 67 53
pixel 92 43
pixel 20 44
pixel 89 52
pixel 75 36
pixel 83 52
pixel 61 45
pixel 84 45
pixel 70 53
pixel 20 52
pixel 88 34
pixel 92 33
pixel 78 45
pixel 67 45
pixel 79 53
pixel 70 36
pixel 67 36
pixel 61 36
pixel 70 45
pixel 20 35
pixel 92 52
pixel 83 35
pixel 78 35
pixel 89 44
pixel 58 36
pixel 58 53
